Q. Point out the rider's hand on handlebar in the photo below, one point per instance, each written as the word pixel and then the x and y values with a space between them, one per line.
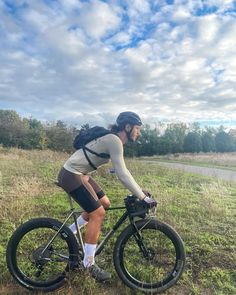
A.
pixel 150 201
pixel 147 193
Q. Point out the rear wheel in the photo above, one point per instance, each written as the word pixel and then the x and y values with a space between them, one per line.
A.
pixel 37 264
pixel 149 258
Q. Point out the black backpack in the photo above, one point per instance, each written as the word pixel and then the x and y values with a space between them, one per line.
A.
pixel 87 135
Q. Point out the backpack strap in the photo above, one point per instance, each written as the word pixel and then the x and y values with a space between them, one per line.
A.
pixel 101 155
pixel 87 158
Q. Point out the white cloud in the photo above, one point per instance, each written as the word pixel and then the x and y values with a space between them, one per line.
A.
pixel 138 6
pixel 181 14
pixel 98 18
pixel 222 5
pixel 69 5
pixel 120 38
pixel 60 61
pixel 213 24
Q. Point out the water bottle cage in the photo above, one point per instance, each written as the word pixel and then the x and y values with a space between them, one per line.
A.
pixel 136 207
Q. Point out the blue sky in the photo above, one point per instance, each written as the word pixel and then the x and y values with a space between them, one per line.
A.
pixel 86 61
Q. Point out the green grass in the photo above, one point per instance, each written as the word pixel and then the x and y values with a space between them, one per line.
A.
pixel 201 209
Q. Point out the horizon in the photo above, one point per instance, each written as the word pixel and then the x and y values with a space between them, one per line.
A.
pixel 161 125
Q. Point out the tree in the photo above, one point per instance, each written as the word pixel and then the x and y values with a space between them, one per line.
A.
pixel 192 142
pixel 59 137
pixel 147 143
pixel 208 141
pixel 195 127
pixel 11 128
pixel 174 136
pixel 164 145
pixel 224 142
pixel 232 134
pixel 34 135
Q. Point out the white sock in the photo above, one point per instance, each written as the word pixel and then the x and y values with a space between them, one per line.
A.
pixel 80 221
pixel 89 254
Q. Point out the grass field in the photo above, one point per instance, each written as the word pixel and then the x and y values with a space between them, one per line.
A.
pixel 202 210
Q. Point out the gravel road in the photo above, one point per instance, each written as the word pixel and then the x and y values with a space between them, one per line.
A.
pixel 215 172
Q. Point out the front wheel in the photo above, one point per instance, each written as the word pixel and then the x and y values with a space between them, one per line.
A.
pixel 38 255
pixel 149 256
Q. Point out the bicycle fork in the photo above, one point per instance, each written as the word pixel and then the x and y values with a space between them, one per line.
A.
pixel 139 240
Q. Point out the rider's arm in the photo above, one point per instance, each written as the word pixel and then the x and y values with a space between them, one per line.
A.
pixel 115 148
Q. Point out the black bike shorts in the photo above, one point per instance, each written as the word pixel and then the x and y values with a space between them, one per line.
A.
pixel 83 189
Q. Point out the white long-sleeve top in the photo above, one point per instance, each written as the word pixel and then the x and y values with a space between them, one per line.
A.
pixel 109 144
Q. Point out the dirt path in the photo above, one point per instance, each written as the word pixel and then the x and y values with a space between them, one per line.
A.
pixel 215 172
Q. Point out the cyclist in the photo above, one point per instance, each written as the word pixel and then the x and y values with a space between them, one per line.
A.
pixel 75 179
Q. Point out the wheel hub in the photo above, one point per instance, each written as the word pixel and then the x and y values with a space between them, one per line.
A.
pixel 150 254
pixel 40 257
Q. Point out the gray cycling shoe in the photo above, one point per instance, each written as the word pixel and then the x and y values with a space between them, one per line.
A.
pixel 99 274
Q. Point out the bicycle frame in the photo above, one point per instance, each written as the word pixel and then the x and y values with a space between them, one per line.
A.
pixel 154 244
pixel 115 227
pixel 102 244
pixel 120 221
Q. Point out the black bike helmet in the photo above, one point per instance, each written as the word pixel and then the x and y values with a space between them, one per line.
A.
pixel 128 118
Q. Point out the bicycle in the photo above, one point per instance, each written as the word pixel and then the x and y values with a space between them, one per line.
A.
pixel 148 255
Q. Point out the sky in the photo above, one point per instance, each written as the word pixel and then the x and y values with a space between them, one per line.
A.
pixel 87 61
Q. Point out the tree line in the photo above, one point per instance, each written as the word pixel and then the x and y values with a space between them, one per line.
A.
pixel 29 133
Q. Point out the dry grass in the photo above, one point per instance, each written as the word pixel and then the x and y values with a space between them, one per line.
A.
pixel 25 175
pixel 200 209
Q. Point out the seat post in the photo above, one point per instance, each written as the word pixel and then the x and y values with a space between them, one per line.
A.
pixel 71 202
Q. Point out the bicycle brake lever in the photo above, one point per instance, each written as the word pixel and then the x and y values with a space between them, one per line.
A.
pixel 152 211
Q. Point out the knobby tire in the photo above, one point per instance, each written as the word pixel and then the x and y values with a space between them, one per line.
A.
pixel 163 265
pixel 25 247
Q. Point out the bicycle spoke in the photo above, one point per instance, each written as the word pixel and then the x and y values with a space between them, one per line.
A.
pixel 38 265
pixel 159 262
